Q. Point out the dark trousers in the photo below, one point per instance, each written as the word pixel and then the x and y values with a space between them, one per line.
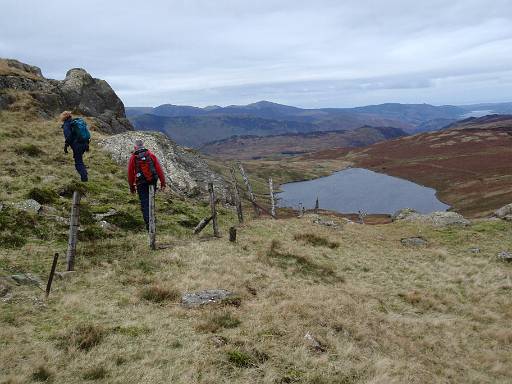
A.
pixel 143 191
pixel 78 155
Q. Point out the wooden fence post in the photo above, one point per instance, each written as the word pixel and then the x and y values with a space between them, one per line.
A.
pixel 249 189
pixel 232 234
pixel 203 223
pixel 152 225
pixel 213 202
pixel 74 223
pixel 272 202
pixel 238 200
pixel 317 206
pixel 52 273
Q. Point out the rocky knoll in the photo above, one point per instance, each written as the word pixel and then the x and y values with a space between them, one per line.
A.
pixel 187 173
pixel 22 84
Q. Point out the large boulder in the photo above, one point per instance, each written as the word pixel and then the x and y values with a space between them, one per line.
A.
pixel 186 173
pixel 437 219
pixel 79 92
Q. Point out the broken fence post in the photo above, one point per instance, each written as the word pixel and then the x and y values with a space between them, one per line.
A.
pixel 232 234
pixel 74 223
pixel 238 201
pixel 249 189
pixel 213 202
pixel 317 205
pixel 272 202
pixel 152 224
pixel 52 273
pixel 203 223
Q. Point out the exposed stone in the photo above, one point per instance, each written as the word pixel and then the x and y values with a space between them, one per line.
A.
pixel 505 256
pixel 219 341
pixel 106 226
pixel 503 211
pixel 29 205
pixel 102 216
pixel 26 279
pixel 186 173
pixel 474 250
pixel 403 214
pixel 313 343
pixel 507 217
pixel 208 296
pixel 327 223
pixel 437 219
pixel 4 288
pixel 79 92
pixel 414 241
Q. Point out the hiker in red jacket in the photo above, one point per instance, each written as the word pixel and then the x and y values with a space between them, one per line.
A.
pixel 144 170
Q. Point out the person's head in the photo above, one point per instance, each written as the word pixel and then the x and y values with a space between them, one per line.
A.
pixel 138 144
pixel 65 115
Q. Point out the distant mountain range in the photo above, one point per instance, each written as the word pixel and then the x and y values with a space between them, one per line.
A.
pixel 195 127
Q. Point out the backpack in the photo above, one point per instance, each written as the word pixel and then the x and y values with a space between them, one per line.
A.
pixel 80 131
pixel 144 166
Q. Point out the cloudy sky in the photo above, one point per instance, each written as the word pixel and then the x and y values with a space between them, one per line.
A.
pixel 307 53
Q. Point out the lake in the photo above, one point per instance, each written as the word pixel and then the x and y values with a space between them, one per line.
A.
pixel 355 189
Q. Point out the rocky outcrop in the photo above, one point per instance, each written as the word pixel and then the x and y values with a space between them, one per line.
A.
pixel 79 92
pixel 437 219
pixel 504 212
pixel 187 174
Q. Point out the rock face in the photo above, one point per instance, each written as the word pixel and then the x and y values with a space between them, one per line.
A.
pixel 437 219
pixel 79 92
pixel 186 173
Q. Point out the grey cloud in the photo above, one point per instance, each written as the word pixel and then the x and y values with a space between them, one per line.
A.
pixel 322 53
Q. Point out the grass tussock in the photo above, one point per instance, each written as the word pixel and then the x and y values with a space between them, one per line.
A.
pixel 95 373
pixel 42 374
pixel 241 358
pixel 31 150
pixel 217 321
pixel 84 337
pixel 316 241
pixel 158 293
pixel 299 263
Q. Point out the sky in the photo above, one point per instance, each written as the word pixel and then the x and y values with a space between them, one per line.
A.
pixel 316 53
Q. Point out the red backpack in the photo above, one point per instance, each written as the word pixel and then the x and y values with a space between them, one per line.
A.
pixel 144 166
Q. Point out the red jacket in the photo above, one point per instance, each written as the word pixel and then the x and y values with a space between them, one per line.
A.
pixel 132 171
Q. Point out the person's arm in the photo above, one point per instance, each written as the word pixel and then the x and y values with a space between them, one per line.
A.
pixel 131 173
pixel 68 132
pixel 159 171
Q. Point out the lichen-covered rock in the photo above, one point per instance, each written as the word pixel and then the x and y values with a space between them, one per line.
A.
pixel 29 205
pixel 79 92
pixel 205 297
pixel 505 256
pixel 417 241
pixel 187 174
pixel 437 219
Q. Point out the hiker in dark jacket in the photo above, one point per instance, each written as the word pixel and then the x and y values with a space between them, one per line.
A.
pixel 144 170
pixel 77 144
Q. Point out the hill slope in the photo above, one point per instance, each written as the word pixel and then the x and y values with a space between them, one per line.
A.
pixel 255 147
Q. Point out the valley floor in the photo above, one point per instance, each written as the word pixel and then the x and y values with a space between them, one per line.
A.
pixel 382 312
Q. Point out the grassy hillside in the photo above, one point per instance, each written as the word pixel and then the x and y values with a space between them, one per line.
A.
pixel 379 311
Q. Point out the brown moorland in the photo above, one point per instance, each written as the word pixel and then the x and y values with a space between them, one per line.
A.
pixel 468 164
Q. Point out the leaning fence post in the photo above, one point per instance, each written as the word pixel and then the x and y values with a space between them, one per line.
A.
pixel 213 202
pixel 74 223
pixel 272 202
pixel 152 226
pixel 249 189
pixel 52 273
pixel 238 201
